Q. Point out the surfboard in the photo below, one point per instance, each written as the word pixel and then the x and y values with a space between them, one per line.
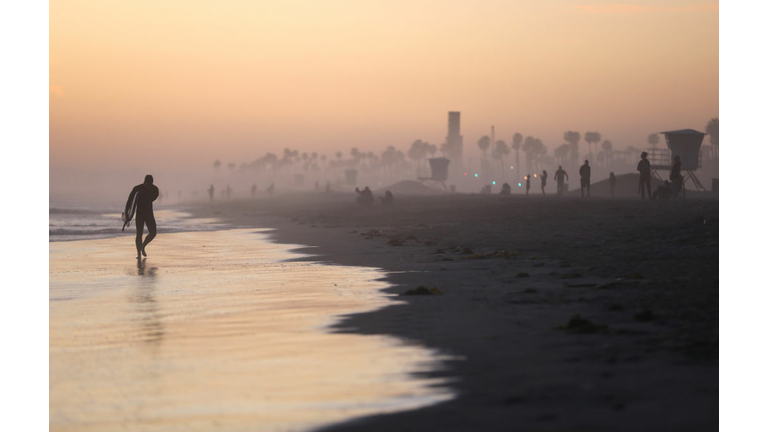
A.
pixel 127 217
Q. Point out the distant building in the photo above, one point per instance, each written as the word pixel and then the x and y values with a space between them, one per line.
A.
pixel 454 141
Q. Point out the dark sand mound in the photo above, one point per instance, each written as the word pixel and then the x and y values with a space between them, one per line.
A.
pixel 410 187
pixel 627 185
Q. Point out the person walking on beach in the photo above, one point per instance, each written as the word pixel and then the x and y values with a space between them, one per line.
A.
pixel 210 192
pixel 585 172
pixel 253 190
pixel 543 177
pixel 527 183
pixel 644 166
pixel 612 182
pixel 560 177
pixel 142 197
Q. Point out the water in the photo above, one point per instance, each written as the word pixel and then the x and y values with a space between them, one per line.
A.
pixel 218 330
pixel 78 221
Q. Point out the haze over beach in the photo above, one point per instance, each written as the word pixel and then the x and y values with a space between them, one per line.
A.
pixel 170 87
pixel 384 215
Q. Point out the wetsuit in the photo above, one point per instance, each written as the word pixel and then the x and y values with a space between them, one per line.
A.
pixel 144 214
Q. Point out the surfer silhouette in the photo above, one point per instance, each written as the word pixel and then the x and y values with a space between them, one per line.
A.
pixel 140 204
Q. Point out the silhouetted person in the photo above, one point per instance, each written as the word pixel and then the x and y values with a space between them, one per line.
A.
pixel 560 177
pixel 140 199
pixel 388 200
pixel 506 189
pixel 676 177
pixel 612 182
pixel 366 196
pixel 585 172
pixel 644 166
pixel 543 177
pixel 253 190
pixel 210 192
pixel 229 192
pixel 527 183
pixel 663 191
pixel 271 189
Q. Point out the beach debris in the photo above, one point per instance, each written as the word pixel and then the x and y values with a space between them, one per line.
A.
pixel 645 315
pixel 523 275
pixel 577 324
pixel 422 290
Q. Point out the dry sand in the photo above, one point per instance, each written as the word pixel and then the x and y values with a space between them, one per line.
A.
pixel 515 271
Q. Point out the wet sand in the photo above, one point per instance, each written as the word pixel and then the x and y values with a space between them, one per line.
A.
pixel 219 330
pixel 515 271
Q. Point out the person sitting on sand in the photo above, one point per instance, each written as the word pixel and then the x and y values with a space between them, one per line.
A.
pixel 543 178
pixel 388 200
pixel 506 189
pixel 585 172
pixel 612 182
pixel 144 194
pixel 366 196
pixel 560 177
pixel 644 166
pixel 663 191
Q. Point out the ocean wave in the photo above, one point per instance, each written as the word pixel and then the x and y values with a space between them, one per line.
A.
pixel 71 211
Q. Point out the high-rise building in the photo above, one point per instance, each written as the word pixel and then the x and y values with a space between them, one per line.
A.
pixel 454 141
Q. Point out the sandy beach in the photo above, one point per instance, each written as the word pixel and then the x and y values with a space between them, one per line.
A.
pixel 219 330
pixel 559 313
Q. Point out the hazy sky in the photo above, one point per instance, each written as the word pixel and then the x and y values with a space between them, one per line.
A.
pixel 193 81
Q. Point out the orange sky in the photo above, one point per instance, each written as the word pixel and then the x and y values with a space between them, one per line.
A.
pixel 234 79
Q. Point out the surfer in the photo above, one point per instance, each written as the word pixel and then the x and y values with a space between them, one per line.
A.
pixel 140 203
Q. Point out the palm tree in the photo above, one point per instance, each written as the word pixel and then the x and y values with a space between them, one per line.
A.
pixel 561 153
pixel 528 147
pixel 573 138
pixel 608 150
pixel 592 138
pixel 484 143
pixel 653 139
pixel 499 152
pixel 713 129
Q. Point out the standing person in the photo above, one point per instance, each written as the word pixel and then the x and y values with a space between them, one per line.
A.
pixel 560 177
pixel 544 176
pixel 675 177
pixel 612 182
pixel 271 189
pixel 140 200
pixel 253 190
pixel 228 192
pixel 527 183
pixel 585 172
pixel 210 192
pixel 644 166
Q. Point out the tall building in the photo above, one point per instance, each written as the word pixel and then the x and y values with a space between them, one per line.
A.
pixel 454 141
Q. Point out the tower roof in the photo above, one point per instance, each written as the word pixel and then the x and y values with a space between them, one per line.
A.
pixel 683 132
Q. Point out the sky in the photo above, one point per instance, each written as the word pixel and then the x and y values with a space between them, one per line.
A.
pixel 177 84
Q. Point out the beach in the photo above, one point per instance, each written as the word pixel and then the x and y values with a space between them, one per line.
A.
pixel 557 313
pixel 219 330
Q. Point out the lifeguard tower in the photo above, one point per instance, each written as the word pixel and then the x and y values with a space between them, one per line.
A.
pixel 685 143
pixel 439 168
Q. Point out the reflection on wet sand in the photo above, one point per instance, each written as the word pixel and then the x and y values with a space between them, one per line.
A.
pixel 216 329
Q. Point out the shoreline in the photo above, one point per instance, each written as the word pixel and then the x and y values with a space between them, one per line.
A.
pixel 647 358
